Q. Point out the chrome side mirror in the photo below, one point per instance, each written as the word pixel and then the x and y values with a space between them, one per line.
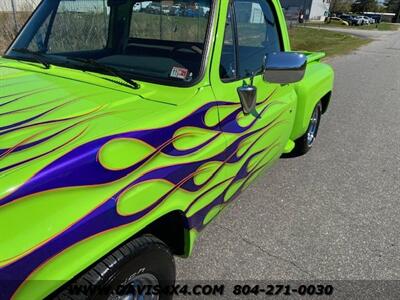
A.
pixel 248 97
pixel 285 67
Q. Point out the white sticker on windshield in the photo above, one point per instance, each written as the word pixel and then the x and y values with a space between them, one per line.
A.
pixel 180 73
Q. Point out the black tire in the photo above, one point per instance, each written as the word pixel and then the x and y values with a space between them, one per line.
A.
pixel 303 143
pixel 145 257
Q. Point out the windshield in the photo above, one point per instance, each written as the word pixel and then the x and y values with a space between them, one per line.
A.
pixel 161 41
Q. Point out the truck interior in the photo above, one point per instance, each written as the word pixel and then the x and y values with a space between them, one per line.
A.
pixel 157 37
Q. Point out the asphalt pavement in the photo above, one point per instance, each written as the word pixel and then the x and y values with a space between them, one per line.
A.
pixel 333 213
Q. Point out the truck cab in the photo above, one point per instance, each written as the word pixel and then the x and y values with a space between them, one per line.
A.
pixel 127 126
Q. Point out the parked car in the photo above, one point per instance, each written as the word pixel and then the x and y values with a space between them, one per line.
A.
pixel 351 20
pixel 292 13
pixel 371 20
pixel 339 21
pixel 165 9
pixel 115 157
pixel 176 10
pixel 359 20
pixel 153 8
pixel 190 12
pixel 139 6
pixel 364 20
pixel 377 18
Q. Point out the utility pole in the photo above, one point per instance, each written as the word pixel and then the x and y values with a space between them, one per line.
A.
pixel 14 9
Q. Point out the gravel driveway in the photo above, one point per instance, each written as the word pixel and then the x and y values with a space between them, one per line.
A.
pixel 371 34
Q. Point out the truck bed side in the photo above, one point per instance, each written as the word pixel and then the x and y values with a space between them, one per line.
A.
pixel 316 85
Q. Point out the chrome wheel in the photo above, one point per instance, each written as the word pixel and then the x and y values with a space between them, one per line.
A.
pixel 138 288
pixel 313 127
pixel 304 143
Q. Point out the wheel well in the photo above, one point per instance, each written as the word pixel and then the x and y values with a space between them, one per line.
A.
pixel 170 229
pixel 325 102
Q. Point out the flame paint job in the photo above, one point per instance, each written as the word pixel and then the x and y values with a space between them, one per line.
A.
pixel 85 164
pixel 49 154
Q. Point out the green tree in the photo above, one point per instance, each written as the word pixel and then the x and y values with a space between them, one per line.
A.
pixel 392 6
pixel 364 5
pixel 342 6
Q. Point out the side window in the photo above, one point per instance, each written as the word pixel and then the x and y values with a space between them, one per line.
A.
pixel 227 69
pixel 257 34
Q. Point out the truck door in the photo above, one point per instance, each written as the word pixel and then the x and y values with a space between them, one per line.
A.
pixel 250 32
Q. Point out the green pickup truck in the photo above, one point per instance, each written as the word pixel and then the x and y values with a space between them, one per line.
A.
pixel 125 130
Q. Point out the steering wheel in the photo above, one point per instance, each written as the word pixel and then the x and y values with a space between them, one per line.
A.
pixel 194 49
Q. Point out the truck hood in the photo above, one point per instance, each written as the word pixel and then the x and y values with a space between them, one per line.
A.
pixel 44 116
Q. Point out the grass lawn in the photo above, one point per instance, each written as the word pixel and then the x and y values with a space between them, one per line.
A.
pixel 332 43
pixel 381 26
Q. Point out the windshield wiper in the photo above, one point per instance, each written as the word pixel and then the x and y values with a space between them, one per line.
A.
pixel 39 57
pixel 108 69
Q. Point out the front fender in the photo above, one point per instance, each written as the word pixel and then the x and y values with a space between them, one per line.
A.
pixel 61 268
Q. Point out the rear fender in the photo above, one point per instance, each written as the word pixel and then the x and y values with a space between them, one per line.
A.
pixel 316 84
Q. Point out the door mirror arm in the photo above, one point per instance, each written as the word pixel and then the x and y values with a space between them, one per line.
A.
pixel 248 96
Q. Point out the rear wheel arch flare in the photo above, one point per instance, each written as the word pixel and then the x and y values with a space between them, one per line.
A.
pixel 325 100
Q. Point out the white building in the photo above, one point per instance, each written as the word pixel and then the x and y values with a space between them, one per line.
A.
pixel 319 10
pixel 311 9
